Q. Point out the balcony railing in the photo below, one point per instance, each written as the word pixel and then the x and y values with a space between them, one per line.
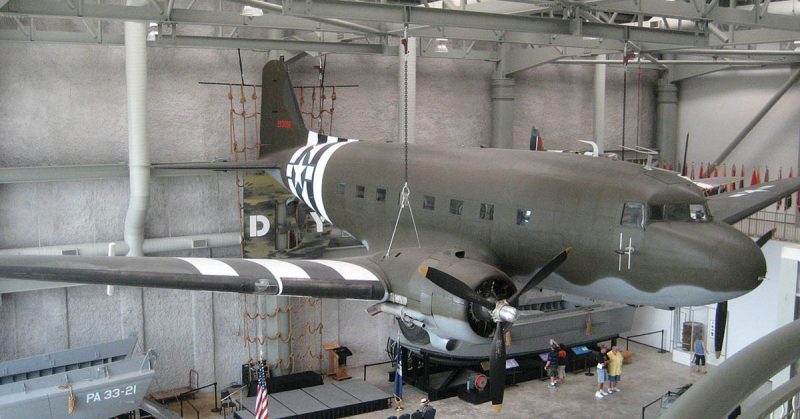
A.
pixel 784 223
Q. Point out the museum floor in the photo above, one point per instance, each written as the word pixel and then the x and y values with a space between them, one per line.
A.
pixel 649 376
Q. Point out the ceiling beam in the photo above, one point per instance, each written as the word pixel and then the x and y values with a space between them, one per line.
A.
pixel 687 11
pixel 45 8
pixel 474 20
pixel 202 42
pixel 521 59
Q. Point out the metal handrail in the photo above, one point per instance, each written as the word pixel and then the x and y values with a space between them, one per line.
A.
pixel 372 365
pixel 628 340
pixel 737 376
pixel 180 397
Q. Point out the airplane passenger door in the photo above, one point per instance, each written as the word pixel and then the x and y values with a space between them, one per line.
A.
pixel 631 235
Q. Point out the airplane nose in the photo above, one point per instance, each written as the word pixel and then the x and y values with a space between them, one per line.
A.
pixel 736 258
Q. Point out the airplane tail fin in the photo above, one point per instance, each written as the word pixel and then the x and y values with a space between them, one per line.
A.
pixel 282 124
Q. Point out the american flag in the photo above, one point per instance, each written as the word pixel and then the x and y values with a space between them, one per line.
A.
pixel 262 397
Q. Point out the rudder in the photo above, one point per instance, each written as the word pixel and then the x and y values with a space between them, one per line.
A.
pixel 282 124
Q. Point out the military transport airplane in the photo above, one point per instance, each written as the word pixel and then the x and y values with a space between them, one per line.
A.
pixel 613 231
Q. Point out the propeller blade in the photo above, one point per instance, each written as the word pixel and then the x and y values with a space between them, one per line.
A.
pixel 452 285
pixel 497 367
pixel 541 275
pixel 719 327
pixel 765 238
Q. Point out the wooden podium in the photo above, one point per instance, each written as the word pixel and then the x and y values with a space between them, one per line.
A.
pixel 337 360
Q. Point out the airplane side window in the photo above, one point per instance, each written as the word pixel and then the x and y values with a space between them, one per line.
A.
pixel 633 214
pixel 456 206
pixel 340 188
pixel 429 202
pixel 524 216
pixel 359 191
pixel 380 195
pixel 487 212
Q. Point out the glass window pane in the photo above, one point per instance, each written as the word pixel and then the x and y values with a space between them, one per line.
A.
pixel 340 188
pixel 428 202
pixel 633 214
pixel 487 212
pixel 655 213
pixel 380 195
pixel 456 206
pixel 359 191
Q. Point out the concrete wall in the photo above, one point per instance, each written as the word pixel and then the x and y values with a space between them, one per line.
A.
pixel 714 108
pixel 65 104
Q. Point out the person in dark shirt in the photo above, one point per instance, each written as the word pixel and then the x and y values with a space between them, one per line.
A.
pixel 552 365
pixel 602 372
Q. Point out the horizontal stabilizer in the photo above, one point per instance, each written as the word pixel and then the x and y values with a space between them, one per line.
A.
pixel 734 206
pixel 352 279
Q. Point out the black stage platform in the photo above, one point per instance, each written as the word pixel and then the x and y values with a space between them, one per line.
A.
pixel 335 400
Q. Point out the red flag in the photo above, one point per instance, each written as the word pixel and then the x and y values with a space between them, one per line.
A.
pixel 766 175
pixel 756 178
pixel 733 174
pixel 702 175
pixel 716 171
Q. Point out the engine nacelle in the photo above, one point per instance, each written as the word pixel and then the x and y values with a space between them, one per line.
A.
pixel 446 316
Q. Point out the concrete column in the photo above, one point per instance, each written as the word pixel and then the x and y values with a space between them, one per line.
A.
pixel 275 350
pixel 667 120
pixel 409 113
pixel 502 97
pixel 600 103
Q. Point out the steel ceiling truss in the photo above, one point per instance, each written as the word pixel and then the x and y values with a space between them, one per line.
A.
pixel 583 27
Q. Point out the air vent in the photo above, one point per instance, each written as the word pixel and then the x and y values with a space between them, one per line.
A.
pixel 199 244
pixel 69 252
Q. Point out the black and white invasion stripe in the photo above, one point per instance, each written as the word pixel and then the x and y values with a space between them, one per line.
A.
pixel 291 277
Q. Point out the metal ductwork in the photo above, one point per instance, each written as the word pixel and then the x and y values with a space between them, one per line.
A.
pixel 138 159
pixel 149 246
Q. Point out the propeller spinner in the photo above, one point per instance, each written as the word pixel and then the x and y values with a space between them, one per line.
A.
pixel 503 312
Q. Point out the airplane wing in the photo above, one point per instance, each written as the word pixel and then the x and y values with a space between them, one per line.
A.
pixel 731 207
pixel 355 278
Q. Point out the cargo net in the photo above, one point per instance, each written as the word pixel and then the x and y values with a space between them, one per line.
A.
pixel 304 337
pixel 314 109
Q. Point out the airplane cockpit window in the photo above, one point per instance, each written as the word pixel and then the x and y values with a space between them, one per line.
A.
pixel 633 214
pixel 686 212
pixel 655 212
